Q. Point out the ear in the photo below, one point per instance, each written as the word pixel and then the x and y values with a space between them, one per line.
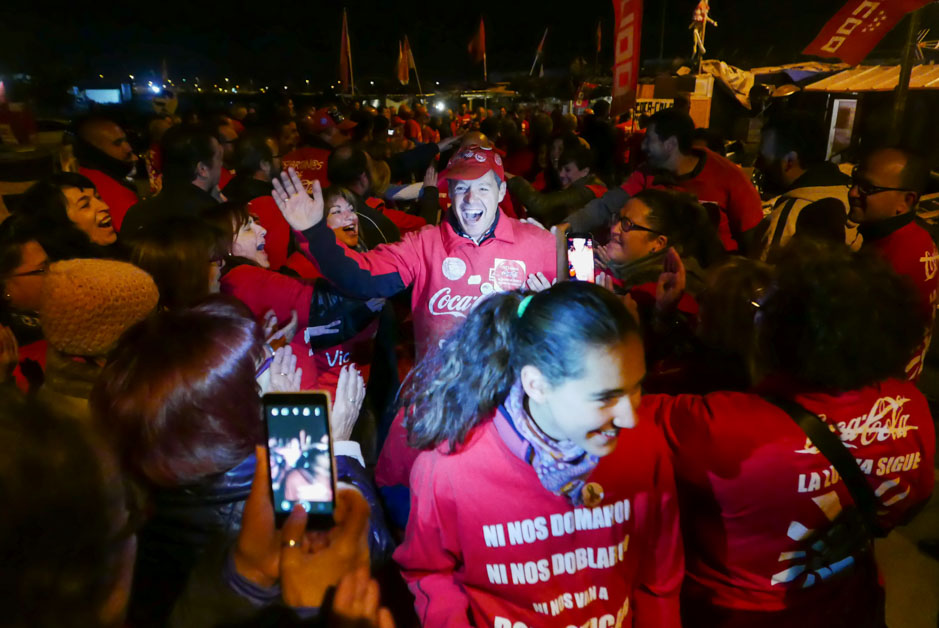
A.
pixel 502 190
pixel 671 144
pixel 267 167
pixel 790 160
pixel 534 383
pixel 911 199
pixel 202 170
pixel 660 243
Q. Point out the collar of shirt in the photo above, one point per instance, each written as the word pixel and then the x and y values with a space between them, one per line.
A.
pixel 501 229
pixel 883 228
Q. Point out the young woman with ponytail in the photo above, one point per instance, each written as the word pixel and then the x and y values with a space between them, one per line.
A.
pixel 539 499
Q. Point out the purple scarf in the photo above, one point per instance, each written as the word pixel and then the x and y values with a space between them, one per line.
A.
pixel 562 466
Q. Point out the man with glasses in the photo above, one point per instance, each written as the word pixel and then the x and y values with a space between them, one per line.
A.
pixel 886 188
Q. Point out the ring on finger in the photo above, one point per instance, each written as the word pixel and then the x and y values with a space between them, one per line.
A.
pixel 291 543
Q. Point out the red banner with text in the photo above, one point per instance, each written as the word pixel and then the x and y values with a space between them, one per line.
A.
pixel 627 30
pixel 858 27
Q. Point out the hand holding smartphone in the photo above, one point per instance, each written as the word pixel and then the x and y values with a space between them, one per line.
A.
pixel 301 455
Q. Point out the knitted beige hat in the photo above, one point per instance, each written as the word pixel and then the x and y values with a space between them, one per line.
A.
pixel 88 303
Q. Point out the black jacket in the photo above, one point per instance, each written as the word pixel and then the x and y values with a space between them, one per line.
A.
pixel 174 200
pixel 245 188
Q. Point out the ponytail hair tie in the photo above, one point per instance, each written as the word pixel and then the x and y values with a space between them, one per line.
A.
pixel 523 305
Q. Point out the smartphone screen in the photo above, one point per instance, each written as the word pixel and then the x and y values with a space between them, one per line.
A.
pixel 301 454
pixel 391 131
pixel 580 257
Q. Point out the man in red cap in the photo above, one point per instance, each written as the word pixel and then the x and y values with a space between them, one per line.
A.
pixel 323 130
pixel 475 251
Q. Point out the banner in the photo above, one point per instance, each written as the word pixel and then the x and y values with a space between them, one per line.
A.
pixel 858 27
pixel 626 35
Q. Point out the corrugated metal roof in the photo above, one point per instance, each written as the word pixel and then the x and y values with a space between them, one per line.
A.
pixel 877 78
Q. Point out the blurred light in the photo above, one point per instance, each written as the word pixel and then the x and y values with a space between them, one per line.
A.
pixel 149 82
pixel 131 76
pixel 184 80
pixel 440 106
pixel 155 89
pixel 226 79
pixel 237 86
pixel 371 82
pixel 308 81
pixel 101 76
pixel 437 82
pixel 285 87
pixel 376 103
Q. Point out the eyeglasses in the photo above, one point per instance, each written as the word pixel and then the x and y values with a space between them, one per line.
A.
pixel 866 188
pixel 628 225
pixel 31 273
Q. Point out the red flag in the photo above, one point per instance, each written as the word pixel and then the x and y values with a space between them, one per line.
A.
pixel 599 37
pixel 408 55
pixel 401 69
pixel 858 27
pixel 628 27
pixel 345 55
pixel 477 45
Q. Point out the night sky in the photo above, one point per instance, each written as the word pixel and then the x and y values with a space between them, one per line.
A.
pixel 301 40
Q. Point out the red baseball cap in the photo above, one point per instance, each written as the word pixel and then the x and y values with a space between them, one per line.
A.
pixel 329 117
pixel 473 162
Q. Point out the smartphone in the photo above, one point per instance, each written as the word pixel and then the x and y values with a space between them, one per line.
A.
pixel 580 262
pixel 300 447
pixel 391 131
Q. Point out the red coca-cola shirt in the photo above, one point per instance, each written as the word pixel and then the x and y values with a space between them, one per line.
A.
pixel 448 273
pixel 753 489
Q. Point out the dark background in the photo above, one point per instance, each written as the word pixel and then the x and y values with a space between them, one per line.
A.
pixel 288 41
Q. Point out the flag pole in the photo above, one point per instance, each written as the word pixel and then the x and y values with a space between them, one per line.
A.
pixel 485 71
pixel 538 52
pixel 906 71
pixel 349 46
pixel 417 76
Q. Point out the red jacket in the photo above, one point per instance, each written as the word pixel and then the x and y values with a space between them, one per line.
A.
pixel 752 486
pixel 262 290
pixel 912 253
pixel 718 182
pixel 448 272
pixel 488 545
pixel 310 164
pixel 119 198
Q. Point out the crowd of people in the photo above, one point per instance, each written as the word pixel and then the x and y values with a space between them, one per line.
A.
pixel 710 432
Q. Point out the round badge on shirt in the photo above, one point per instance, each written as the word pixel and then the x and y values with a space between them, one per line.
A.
pixel 454 268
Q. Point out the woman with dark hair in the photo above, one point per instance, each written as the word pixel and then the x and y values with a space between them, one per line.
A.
pixel 184 257
pixel 775 537
pixel 648 225
pixel 336 330
pixel 180 400
pixel 70 217
pixel 539 499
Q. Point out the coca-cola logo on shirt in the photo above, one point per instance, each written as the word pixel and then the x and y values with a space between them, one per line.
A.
pixel 444 303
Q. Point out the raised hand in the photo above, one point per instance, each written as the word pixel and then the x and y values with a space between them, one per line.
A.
pixel 350 392
pixel 300 210
pixel 671 284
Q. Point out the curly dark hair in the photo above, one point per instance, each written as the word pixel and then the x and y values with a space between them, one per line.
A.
pixel 458 385
pixel 836 320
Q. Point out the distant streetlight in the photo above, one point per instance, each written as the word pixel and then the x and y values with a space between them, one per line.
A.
pixel 308 81
pixel 371 82
pixel 131 76
pixel 226 79
pixel 285 87
pixel 101 76
pixel 438 82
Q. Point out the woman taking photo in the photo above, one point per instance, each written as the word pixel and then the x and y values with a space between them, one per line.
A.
pixel 539 500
